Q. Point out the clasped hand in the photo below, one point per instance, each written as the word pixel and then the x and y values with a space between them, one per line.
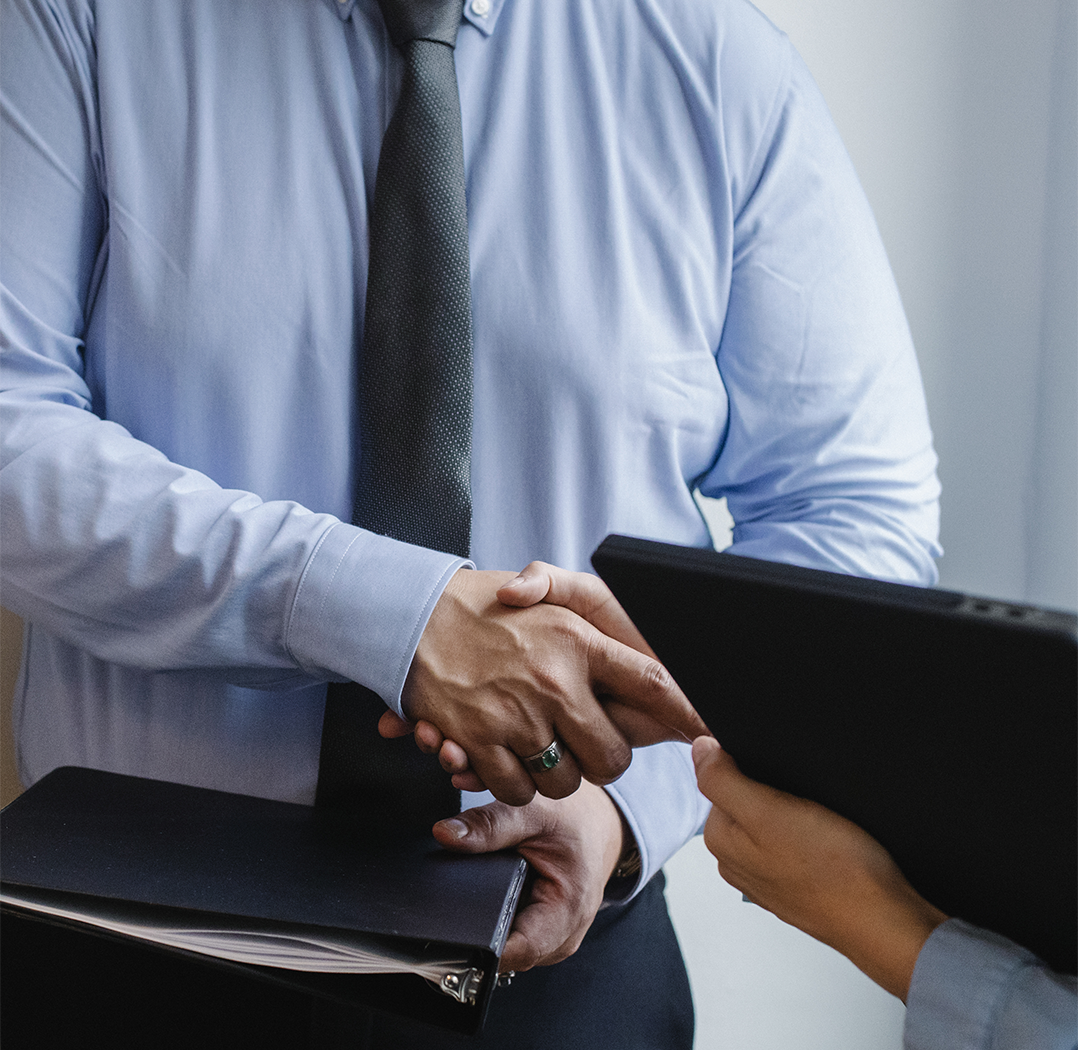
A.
pixel 509 663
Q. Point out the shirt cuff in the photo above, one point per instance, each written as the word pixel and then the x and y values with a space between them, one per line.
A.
pixel 658 798
pixel 972 988
pixel 361 606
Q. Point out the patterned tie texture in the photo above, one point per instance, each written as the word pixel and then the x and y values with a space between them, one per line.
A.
pixel 414 398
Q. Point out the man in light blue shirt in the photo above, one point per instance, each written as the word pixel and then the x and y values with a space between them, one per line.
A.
pixel 677 285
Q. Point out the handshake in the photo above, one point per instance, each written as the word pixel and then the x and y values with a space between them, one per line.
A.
pixel 537 687
pixel 530 683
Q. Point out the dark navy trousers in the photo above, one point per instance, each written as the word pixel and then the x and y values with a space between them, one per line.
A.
pixel 625 989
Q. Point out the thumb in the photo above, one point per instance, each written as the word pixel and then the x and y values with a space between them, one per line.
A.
pixel 705 753
pixel 391 725
pixel 728 789
pixel 530 587
pixel 710 761
pixel 716 771
pixel 486 828
pixel 579 592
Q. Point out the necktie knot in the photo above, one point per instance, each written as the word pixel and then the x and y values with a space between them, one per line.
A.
pixel 435 20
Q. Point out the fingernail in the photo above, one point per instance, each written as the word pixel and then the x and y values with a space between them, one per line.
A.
pixel 456 828
pixel 515 582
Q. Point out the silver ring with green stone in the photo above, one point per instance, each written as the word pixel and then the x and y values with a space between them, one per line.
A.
pixel 547 759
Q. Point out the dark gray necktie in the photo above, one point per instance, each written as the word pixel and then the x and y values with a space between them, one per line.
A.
pixel 414 398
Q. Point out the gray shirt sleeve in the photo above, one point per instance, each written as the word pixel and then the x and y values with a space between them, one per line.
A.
pixel 975 990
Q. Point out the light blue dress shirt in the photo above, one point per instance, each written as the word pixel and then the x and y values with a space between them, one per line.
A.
pixel 975 990
pixel 677 285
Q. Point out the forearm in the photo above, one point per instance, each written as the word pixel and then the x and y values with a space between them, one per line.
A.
pixel 118 551
pixel 881 927
pixel 141 562
pixel 814 870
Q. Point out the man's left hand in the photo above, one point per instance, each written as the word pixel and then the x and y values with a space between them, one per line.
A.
pixel 572 845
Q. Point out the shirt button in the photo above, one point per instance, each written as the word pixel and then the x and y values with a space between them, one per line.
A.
pixel 481 8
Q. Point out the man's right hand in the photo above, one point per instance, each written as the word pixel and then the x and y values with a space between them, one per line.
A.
pixel 502 682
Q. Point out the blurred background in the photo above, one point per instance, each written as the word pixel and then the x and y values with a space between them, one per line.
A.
pixel 960 118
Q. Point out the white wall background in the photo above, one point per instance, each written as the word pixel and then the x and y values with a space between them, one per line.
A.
pixel 960 118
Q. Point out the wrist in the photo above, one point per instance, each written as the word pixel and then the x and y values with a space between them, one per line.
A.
pixel 888 945
pixel 605 823
pixel 625 872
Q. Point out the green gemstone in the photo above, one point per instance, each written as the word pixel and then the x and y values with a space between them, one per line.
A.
pixel 549 758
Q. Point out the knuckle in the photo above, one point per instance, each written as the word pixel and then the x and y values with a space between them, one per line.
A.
pixel 516 794
pixel 656 679
pixel 596 645
pixel 482 821
pixel 531 958
pixel 717 835
pixel 601 752
pixel 571 948
pixel 562 787
pixel 623 758
pixel 615 760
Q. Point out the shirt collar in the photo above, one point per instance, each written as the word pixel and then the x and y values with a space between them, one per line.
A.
pixel 483 14
pixel 342 7
pixel 480 13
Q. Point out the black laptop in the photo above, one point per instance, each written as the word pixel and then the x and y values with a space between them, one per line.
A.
pixel 945 725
